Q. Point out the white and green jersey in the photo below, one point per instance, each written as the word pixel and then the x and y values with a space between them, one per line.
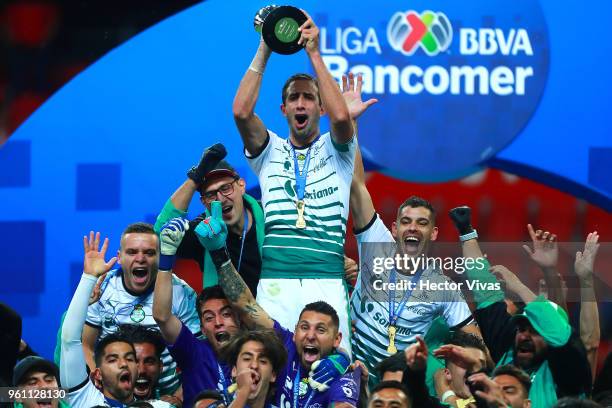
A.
pixel 370 306
pixel 117 306
pixel 316 251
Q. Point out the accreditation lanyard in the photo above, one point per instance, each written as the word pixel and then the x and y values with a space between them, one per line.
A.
pixel 225 385
pixel 300 176
pixel 244 232
pixel 296 391
pixel 393 316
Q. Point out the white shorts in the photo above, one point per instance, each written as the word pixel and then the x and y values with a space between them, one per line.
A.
pixel 284 299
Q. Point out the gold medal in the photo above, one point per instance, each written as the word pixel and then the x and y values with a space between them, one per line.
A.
pixel 391 332
pixel 301 222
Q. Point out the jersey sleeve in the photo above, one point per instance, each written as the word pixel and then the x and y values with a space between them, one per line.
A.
pixel 85 395
pixel 93 315
pixel 184 298
pixel 377 231
pixel 258 162
pixel 183 349
pixel 455 310
pixel 345 155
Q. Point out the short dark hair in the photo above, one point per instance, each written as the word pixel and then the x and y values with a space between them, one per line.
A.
pixel 299 77
pixel 99 350
pixel 415 202
pixel 391 384
pixel 138 334
pixel 211 292
pixel 517 373
pixel 274 349
pixel 139 227
pixel 396 362
pixel 459 338
pixel 206 394
pixel 323 308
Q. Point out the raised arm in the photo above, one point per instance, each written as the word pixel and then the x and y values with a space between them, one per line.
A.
pixel 251 128
pixel 333 103
pixel 178 203
pixel 170 238
pixel 589 313
pixel 361 206
pixel 545 254
pixel 212 233
pixel 73 367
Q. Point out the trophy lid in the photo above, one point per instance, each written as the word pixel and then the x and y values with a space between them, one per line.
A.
pixel 280 29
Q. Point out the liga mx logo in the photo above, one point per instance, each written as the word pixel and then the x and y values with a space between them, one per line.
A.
pixel 429 31
pixel 455 84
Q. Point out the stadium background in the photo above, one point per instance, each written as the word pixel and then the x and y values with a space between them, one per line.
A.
pixel 65 75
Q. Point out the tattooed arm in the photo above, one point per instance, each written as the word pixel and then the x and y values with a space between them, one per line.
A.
pixel 241 298
pixel 212 233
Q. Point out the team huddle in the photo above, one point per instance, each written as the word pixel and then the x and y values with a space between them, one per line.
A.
pixel 275 324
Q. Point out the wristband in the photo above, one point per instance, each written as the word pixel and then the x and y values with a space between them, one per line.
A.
pixel 447 394
pixel 166 262
pixel 219 257
pixel 468 236
pixel 255 70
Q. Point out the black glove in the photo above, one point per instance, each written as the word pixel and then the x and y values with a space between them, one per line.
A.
pixel 211 157
pixel 461 216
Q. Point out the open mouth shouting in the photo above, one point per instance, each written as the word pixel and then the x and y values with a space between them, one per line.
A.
pixel 525 349
pixel 411 244
pixel 142 388
pixel 301 121
pixel 226 211
pixel 222 337
pixel 140 274
pixel 125 380
pixel 311 354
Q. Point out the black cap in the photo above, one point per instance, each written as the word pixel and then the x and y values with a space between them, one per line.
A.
pixel 222 169
pixel 34 363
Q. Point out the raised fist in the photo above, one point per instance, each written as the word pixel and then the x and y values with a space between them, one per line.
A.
pixel 210 158
pixel 462 218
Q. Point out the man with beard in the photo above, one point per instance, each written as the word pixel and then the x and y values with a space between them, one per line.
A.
pixel 387 320
pixel 256 357
pixel 197 359
pixel 304 182
pixel 149 347
pixel 114 375
pixel 126 297
pixel 316 335
pixel 538 340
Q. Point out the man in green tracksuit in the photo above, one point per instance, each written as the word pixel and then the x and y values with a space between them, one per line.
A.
pixel 215 179
pixel 538 340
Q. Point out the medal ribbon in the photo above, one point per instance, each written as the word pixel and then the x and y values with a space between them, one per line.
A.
pixel 393 316
pixel 244 232
pixel 300 176
pixel 296 391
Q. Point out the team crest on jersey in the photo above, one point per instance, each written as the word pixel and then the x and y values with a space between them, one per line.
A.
pixel 137 314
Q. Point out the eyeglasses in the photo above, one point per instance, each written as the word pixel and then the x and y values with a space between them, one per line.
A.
pixel 225 190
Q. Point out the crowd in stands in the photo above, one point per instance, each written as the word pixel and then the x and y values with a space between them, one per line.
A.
pixel 276 323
